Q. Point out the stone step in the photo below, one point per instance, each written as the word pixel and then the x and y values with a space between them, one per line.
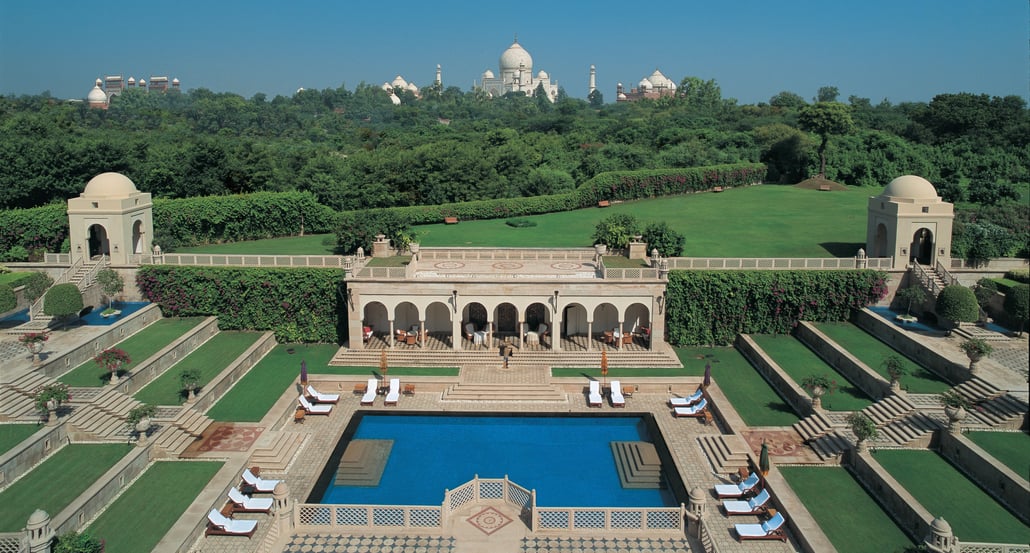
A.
pixel 829 447
pixel 29 382
pixel 813 427
pixel 888 410
pixel 278 455
pixel 725 459
pixel 637 464
pixel 363 462
pixel 1004 411
pixel 909 429
pixel 192 422
pixel 977 389
pixel 14 404
pixel 504 392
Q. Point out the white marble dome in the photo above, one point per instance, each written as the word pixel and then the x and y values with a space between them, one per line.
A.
pixel 910 186
pixel 110 185
pixel 516 57
pixel 96 96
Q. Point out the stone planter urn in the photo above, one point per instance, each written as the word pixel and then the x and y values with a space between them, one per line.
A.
pixel 895 385
pixel 974 358
pixel 114 377
pixel 142 427
pixel 35 348
pixel 955 417
pixel 191 395
pixel 51 408
pixel 600 249
pixel 817 397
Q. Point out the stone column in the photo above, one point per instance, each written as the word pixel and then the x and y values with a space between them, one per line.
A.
pixel 393 334
pixel 590 335
pixel 381 246
pixel 38 532
pixel 941 539
pixel 556 324
pixel 282 509
pixel 696 508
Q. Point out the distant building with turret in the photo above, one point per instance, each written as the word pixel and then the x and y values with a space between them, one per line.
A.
pixel 516 66
pixel 651 88
pixel 113 85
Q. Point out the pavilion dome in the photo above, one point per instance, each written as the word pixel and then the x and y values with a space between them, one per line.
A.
pixel 660 80
pixel 516 57
pixel 96 96
pixel 399 82
pixel 645 85
pixel 109 185
pixel 941 526
pixel 912 187
pixel 488 74
pixel 542 75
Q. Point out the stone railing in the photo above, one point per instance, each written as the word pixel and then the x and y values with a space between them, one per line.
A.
pixel 30 452
pixel 506 254
pixel 13 542
pixel 36 309
pixel 997 265
pixel 594 519
pixel 61 363
pixel 633 273
pixel 779 263
pixel 219 260
pixel 973 547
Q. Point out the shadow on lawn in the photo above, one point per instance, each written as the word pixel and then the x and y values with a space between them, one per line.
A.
pixel 842 249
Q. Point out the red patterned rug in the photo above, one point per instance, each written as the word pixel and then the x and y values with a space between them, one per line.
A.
pixel 226 436
pixel 785 446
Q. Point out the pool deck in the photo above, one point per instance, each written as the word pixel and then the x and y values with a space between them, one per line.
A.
pixel 476 528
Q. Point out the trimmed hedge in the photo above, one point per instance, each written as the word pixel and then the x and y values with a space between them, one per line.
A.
pixel 38 228
pixel 1019 275
pixel 8 300
pixel 652 183
pixel 62 300
pixel 300 305
pixel 957 303
pixel 712 307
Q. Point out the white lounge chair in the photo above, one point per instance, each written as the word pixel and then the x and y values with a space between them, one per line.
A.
pixel 753 506
pixel 687 401
pixel 219 525
pixel 595 399
pixel 771 529
pixel 395 392
pixel 370 392
pixel 319 397
pixel 696 410
pixel 738 489
pixel 314 409
pixel 244 504
pixel 618 400
pixel 257 483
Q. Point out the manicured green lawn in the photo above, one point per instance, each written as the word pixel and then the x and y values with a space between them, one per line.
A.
pixel 310 244
pixel 14 434
pixel 860 527
pixel 140 346
pixel 782 221
pixel 56 482
pixel 264 384
pixel 798 361
pixel 945 492
pixel 619 372
pixel 1011 448
pixel 754 399
pixel 141 516
pixel 872 352
pixel 14 278
pixel 210 359
pixel 390 371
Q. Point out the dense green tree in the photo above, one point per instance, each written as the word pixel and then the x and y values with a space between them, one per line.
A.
pixel 826 119
pixel 62 300
pixel 699 94
pixel 958 304
pixel 595 98
pixel 1017 304
pixel 827 94
pixel 660 236
pixel 615 231
pixel 788 100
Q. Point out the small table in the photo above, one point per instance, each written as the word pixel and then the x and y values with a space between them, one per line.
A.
pixel 409 389
pixel 628 390
pixel 360 388
pixel 298 416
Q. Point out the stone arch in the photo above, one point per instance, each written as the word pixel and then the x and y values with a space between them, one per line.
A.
pixel 921 250
pixel 405 315
pixel 606 317
pixel 438 318
pixel 880 248
pixel 536 314
pixel 98 242
pixel 637 316
pixel 138 245
pixel 506 319
pixel 474 313
pixel 378 317
pixel 575 320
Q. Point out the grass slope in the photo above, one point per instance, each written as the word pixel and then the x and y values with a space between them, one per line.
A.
pixel 861 527
pixel 782 221
pixel 754 399
pixel 974 516
pixel 251 398
pixel 162 494
pixel 798 361
pixel 1011 448
pixel 56 482
pixel 14 434
pixel 872 352
pixel 140 347
pixel 210 359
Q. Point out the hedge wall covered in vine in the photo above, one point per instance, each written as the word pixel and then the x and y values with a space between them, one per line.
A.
pixel 300 305
pixel 653 183
pixel 712 307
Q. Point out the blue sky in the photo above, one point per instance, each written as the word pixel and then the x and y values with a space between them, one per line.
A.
pixel 902 50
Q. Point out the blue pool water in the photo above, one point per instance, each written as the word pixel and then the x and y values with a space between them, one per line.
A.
pixel 567 460
pixel 886 313
pixel 127 308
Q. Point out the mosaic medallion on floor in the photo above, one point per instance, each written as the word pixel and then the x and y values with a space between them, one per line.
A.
pixel 784 445
pixel 489 520
pixel 229 437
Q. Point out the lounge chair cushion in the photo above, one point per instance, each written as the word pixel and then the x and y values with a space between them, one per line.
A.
pixel 244 503
pixel 312 409
pixel 225 525
pixel 370 392
pixel 687 401
pixel 595 399
pixel 692 411
pixel 257 482
pixel 395 392
pixel 770 529
pixel 738 489
pixel 752 506
pixel 618 400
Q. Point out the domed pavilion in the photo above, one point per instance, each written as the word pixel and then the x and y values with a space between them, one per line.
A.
pixel 911 223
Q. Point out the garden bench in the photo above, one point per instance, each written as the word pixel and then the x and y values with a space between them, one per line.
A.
pixel 717 189
pixel 603 203
pixel 824 188
pixel 450 220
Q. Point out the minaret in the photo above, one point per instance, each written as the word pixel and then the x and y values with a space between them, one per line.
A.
pixel 593 79
pixel 439 81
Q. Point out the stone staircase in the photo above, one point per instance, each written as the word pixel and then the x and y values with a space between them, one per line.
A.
pixel 813 427
pixel 363 462
pixel 82 274
pixel 889 409
pixel 908 430
pixel 103 418
pixel 829 446
pixel 275 457
pixel 180 432
pixel 661 357
pixel 977 389
pixel 492 392
pixel 638 465
pixel 17 398
pixel 727 453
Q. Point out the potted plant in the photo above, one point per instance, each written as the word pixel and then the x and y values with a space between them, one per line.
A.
pixel 910 295
pixel 976 349
pixel 895 368
pixel 864 429
pixel 955 407
pixel 49 397
pixel 189 378
pixel 139 419
pixel 76 542
pixel 111 283
pixel 112 359
pixel 817 385
pixel 34 342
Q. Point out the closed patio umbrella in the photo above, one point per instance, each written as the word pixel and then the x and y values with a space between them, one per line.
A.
pixel 708 376
pixel 303 373
pixel 763 459
pixel 382 365
pixel 604 368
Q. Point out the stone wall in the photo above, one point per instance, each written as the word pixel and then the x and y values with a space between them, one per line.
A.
pixel 908 513
pixel 102 492
pixel 860 374
pixel 225 380
pixel 145 372
pixel 60 363
pixel 994 477
pixel 791 392
pixel 953 372
pixel 26 455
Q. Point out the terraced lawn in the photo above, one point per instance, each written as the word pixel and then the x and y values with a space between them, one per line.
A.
pixel 14 434
pixel 871 351
pixel 56 482
pixel 391 371
pixel 973 515
pixel 753 398
pixel 251 398
pixel 140 347
pixel 862 527
pixel 1011 448
pixel 176 484
pixel 211 358
pixel 798 361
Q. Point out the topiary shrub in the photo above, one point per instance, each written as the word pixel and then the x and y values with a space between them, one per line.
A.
pixel 615 231
pixel 62 300
pixel 957 303
pixel 660 236
pixel 37 285
pixel 1017 305
pixel 8 301
pixel 1019 275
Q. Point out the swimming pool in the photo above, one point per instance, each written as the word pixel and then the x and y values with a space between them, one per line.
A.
pixel 93 318
pixel 891 316
pixel 566 459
